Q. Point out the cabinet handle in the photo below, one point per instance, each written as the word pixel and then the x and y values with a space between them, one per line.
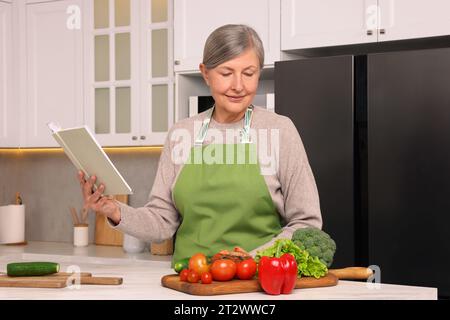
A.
pixel 134 137
pixel 177 62
pixel 369 32
pixel 142 137
pixel 382 31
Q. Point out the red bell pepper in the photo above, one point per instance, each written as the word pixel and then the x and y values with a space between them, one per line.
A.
pixel 278 275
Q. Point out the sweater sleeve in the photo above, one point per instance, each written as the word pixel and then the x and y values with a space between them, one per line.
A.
pixel 298 186
pixel 158 219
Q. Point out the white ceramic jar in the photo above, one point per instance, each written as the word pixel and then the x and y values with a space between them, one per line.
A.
pixel 80 235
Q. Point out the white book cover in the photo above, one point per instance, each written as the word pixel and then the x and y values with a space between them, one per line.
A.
pixel 87 155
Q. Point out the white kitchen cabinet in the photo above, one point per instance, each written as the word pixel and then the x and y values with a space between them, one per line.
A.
pixel 406 19
pixel 310 24
pixel 194 20
pixel 9 115
pixel 111 82
pixel 313 24
pixel 129 76
pixel 54 64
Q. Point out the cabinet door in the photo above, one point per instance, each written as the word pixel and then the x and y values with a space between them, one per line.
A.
pixel 405 19
pixel 9 118
pixel 157 79
pixel 112 72
pixel 129 79
pixel 310 24
pixel 194 20
pixel 317 95
pixel 409 167
pixel 54 69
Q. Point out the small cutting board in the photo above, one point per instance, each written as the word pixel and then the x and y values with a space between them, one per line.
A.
pixel 57 280
pixel 238 286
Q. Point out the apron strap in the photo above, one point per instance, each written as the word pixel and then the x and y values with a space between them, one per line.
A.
pixel 244 132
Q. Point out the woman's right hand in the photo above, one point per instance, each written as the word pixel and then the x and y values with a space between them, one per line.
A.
pixel 95 200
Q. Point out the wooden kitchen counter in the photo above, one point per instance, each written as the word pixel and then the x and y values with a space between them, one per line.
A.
pixel 142 274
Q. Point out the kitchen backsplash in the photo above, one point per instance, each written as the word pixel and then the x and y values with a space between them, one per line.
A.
pixel 48 186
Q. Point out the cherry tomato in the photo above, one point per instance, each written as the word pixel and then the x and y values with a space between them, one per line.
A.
pixel 206 278
pixel 246 269
pixel 193 277
pixel 223 270
pixel 184 275
pixel 199 263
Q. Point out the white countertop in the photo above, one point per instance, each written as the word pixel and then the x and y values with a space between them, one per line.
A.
pixel 142 274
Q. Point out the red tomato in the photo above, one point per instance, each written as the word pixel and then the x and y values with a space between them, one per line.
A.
pixel 246 269
pixel 184 275
pixel 199 263
pixel 206 278
pixel 223 269
pixel 193 277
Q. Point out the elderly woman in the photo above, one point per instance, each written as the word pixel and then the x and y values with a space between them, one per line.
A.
pixel 221 196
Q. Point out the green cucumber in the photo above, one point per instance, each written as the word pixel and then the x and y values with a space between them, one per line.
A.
pixel 181 264
pixel 28 269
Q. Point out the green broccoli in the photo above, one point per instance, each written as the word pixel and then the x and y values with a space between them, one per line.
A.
pixel 317 242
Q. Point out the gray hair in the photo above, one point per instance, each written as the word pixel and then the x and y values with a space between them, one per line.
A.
pixel 229 41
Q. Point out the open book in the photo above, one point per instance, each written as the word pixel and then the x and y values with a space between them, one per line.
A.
pixel 86 154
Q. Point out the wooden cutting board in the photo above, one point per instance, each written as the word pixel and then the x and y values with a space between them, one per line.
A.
pixel 238 286
pixel 57 280
pixel 104 234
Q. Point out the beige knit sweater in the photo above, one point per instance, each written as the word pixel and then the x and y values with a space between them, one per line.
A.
pixel 288 176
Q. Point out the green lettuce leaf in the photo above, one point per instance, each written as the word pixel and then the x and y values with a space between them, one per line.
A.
pixel 307 265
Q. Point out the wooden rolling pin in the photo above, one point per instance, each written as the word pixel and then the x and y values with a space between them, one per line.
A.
pixel 352 273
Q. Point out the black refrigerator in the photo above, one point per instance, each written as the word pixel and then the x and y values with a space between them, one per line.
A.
pixel 317 95
pixel 409 166
pixel 376 129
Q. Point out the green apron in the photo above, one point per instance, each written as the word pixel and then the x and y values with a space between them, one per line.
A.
pixel 226 203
